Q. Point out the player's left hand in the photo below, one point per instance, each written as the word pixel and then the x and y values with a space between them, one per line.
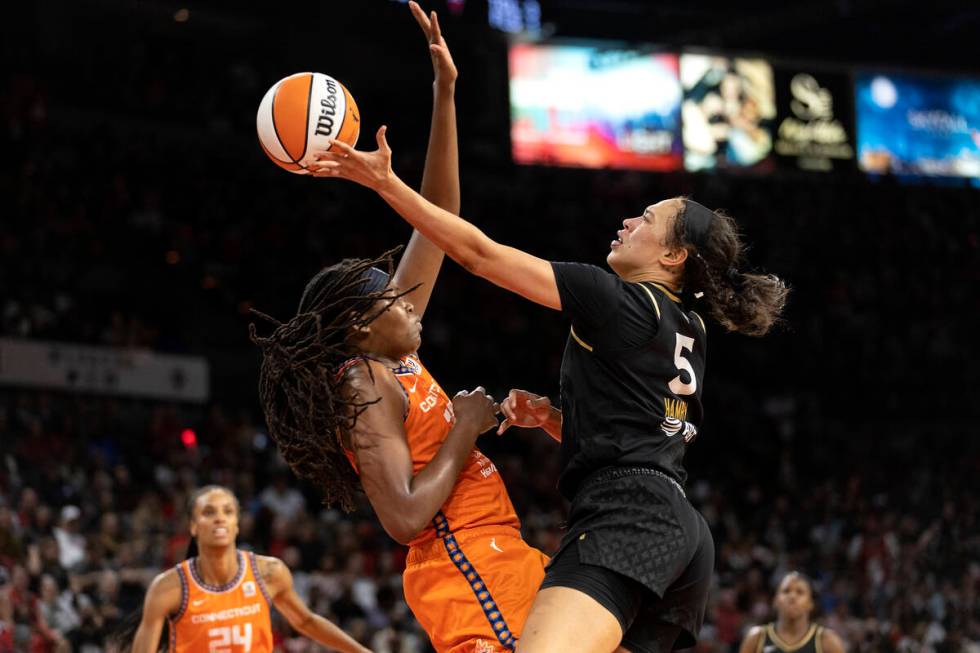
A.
pixel 370 169
pixel 525 409
pixel 442 59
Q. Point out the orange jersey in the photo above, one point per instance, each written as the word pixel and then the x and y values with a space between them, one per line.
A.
pixel 233 618
pixel 479 497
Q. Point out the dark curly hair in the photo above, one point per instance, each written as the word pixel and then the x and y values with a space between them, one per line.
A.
pixel 745 302
pixel 306 405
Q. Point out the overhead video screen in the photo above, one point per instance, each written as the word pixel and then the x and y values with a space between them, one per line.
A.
pixel 729 110
pixel 814 119
pixel 914 125
pixel 595 106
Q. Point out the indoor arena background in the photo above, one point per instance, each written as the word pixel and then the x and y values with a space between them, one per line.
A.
pixel 139 214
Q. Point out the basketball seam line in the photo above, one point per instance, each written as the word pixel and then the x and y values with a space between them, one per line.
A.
pixel 306 130
pixel 276 128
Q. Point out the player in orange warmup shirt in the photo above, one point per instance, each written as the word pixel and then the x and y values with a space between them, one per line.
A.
pixel 220 599
pixel 350 404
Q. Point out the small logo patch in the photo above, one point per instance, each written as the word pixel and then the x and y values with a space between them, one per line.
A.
pixel 483 646
pixel 407 366
pixel 248 588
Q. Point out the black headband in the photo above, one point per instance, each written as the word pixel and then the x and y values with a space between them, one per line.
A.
pixel 373 281
pixel 697 223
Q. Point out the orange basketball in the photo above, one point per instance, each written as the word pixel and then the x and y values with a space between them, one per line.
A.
pixel 300 113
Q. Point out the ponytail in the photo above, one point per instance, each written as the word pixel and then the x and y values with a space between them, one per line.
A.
pixel 744 302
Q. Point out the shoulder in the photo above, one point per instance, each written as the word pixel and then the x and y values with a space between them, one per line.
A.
pixel 830 641
pixel 166 593
pixel 270 566
pixel 753 638
pixel 583 272
pixel 367 379
pixel 274 573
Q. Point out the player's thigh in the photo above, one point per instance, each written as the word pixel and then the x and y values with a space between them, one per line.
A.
pixel 564 619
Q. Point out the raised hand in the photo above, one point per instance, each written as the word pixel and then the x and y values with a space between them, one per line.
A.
pixel 525 409
pixel 442 59
pixel 371 169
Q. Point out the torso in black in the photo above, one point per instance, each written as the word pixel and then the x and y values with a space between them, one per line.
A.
pixel 631 376
pixel 770 642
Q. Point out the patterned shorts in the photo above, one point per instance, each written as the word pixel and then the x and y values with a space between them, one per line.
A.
pixel 641 526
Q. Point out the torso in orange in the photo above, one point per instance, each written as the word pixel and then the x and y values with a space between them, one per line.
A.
pixel 233 618
pixel 479 497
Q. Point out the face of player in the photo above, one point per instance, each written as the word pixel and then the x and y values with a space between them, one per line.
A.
pixel 214 521
pixel 794 600
pixel 641 245
pixel 396 332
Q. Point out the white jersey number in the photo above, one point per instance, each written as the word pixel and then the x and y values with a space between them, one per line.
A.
pixel 237 635
pixel 677 386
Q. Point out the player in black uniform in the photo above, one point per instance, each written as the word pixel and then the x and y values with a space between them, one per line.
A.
pixel 633 571
pixel 792 632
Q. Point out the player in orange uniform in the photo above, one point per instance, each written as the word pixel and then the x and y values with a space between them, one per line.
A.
pixel 219 600
pixel 349 403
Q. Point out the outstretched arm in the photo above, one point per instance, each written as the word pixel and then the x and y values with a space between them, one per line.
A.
pixel 507 267
pixel 421 261
pixel 279 581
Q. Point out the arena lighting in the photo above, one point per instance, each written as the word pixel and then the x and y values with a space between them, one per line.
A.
pixel 182 15
pixel 188 438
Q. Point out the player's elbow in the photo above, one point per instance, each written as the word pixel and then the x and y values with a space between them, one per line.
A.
pixel 404 533
pixel 477 257
pixel 403 526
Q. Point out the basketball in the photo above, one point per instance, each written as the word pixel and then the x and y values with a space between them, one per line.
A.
pixel 300 114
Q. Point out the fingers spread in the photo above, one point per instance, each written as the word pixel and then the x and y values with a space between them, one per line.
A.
pixel 504 425
pixel 436 34
pixel 341 145
pixel 382 140
pixel 330 156
pixel 420 18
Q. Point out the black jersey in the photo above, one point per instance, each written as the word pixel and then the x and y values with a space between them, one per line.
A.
pixel 770 642
pixel 631 375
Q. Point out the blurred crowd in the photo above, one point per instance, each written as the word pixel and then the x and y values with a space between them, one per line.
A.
pixel 841 445
pixel 93 495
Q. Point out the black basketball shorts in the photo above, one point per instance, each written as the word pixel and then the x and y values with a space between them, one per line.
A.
pixel 638 547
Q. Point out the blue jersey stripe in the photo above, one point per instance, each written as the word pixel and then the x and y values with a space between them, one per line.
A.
pixel 480 590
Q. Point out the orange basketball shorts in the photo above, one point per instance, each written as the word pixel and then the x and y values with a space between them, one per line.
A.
pixel 471 590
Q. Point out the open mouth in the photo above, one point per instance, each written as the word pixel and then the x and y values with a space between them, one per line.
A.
pixel 220 531
pixel 617 241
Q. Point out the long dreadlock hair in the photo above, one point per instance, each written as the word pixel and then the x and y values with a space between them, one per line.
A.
pixel 307 406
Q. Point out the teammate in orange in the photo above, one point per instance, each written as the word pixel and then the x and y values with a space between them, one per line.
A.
pixel 220 599
pixel 343 389
pixel 793 631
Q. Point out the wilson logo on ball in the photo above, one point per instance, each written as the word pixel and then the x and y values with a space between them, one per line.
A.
pixel 299 114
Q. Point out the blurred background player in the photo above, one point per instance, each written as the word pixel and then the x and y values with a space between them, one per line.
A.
pixel 634 569
pixel 220 598
pixel 793 631
pixel 342 386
